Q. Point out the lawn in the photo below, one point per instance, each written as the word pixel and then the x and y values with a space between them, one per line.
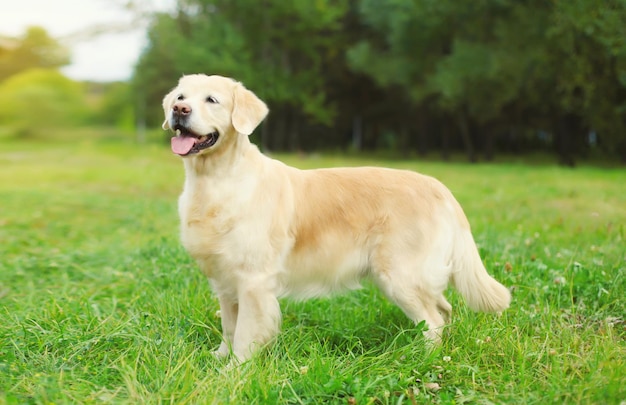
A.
pixel 99 303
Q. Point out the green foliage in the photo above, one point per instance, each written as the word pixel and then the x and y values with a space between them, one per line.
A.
pixel 590 52
pixel 100 303
pixel 38 100
pixel 115 107
pixel 477 54
pixel 488 59
pixel 35 49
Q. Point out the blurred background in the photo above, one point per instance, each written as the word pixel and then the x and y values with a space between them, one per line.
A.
pixel 480 79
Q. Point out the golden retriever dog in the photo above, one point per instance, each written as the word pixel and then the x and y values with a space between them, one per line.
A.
pixel 261 230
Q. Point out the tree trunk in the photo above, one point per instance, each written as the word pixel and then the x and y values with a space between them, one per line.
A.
pixel 403 141
pixel 565 132
pixel 140 121
pixel 488 137
pixel 422 135
pixel 293 132
pixel 357 133
pixel 466 136
pixel 445 142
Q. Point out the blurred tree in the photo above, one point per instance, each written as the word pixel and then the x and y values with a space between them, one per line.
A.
pixel 587 55
pixel 498 64
pixel 37 100
pixel 466 58
pixel 35 49
pixel 114 108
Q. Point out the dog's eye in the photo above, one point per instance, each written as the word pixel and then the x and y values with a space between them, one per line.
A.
pixel 211 100
pixel 180 97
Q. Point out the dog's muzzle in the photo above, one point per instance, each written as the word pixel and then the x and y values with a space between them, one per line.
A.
pixel 186 142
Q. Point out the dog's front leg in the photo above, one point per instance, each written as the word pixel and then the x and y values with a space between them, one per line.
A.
pixel 228 312
pixel 258 320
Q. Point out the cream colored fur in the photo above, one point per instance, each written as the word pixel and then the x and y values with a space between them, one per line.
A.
pixel 260 229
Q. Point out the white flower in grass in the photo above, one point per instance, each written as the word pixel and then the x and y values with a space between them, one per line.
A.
pixel 432 386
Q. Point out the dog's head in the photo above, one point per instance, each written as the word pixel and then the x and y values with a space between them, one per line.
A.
pixel 205 110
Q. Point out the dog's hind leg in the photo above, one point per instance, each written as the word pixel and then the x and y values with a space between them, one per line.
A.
pixel 418 304
pixel 414 285
pixel 444 307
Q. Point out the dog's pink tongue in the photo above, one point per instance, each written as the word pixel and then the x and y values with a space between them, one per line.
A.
pixel 181 145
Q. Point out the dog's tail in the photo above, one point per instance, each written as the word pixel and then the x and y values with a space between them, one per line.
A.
pixel 470 278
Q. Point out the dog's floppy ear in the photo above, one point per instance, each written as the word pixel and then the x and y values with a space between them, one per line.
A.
pixel 167 104
pixel 248 110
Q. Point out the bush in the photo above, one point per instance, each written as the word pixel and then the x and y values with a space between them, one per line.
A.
pixel 37 100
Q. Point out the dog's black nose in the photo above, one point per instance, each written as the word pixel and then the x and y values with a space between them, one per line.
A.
pixel 181 109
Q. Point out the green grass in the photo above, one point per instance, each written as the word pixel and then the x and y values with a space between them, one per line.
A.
pixel 99 303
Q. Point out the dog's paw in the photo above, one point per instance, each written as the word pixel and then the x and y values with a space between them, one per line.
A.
pixel 221 352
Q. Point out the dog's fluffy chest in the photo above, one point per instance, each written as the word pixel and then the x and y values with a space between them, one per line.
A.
pixel 208 225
